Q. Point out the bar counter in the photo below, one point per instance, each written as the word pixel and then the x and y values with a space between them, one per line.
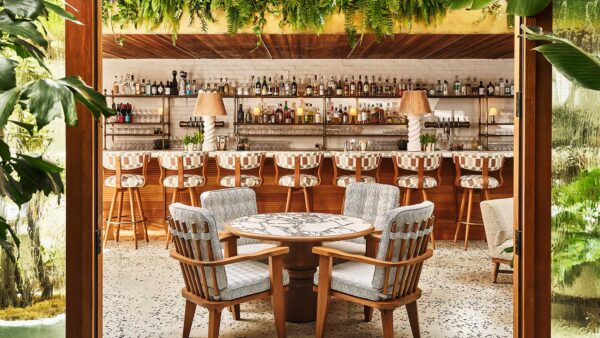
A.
pixel 325 198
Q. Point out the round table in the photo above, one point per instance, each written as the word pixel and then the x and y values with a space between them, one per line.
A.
pixel 300 232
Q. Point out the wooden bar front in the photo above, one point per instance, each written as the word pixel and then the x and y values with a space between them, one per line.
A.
pixel 325 198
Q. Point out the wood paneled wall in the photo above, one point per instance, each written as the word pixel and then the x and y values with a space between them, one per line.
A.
pixel 326 198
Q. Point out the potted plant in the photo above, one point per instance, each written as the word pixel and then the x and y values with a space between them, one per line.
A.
pixel 428 142
pixel 197 139
pixel 187 143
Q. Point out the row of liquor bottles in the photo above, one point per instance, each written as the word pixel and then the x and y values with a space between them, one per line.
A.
pixel 351 87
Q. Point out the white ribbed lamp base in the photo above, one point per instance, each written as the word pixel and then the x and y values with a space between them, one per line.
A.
pixel 209 143
pixel 414 132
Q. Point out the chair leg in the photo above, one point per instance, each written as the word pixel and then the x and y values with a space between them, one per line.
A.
pixel 119 214
pixel 368 313
pixel 277 298
pixel 236 312
pixel 325 264
pixel 138 198
pixel 214 322
pixel 413 318
pixel 426 198
pixel 486 194
pixel 288 202
pixel 460 214
pixel 188 317
pixel 468 228
pixel 133 223
pixel 110 216
pixel 407 197
pixel 173 200
pixel 387 321
pixel 306 200
pixel 495 269
pixel 192 193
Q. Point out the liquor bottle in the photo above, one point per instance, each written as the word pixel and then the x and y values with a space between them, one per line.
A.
pixel 373 86
pixel 445 88
pixel 264 89
pixel 154 89
pixel 226 87
pixel 475 87
pixel 160 89
pixel 380 87
pixel 431 90
pixel 457 86
pixel 174 89
pixel 512 87
pixel 481 89
pixel 279 115
pixel 256 86
pixel 490 89
pixel 364 115
pixel 240 114
pixel 270 87
pixel 120 116
pixel 168 88
pixel 359 86
pixel 148 88
pixel 501 87
pixel 143 87
pixel 394 88
pixel 288 87
pixel 438 88
pixel 409 85
pixel 402 88
pixel 309 88
pixel 294 87
pixel 468 90
pixel 345 116
pixel 194 90
pixel 282 87
pixel 188 87
pixel 248 113
pixel 115 86
pixel 128 113
pixel 286 114
pixel 346 88
pixel 275 89
pixel 322 87
pixel 137 86
pixel 506 88
pixel 366 86
pixel 337 115
pixel 318 118
pixel 182 76
pixel 352 87
pixel 339 90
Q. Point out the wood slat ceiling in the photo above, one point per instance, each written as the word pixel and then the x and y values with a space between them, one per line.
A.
pixel 310 46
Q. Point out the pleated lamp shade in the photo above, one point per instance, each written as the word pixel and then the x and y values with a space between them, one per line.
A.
pixel 415 102
pixel 209 104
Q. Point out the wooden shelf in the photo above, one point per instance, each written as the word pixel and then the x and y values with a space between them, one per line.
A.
pixel 312 96
pixel 369 135
pixel 137 123
pixel 497 124
pixel 279 124
pixel 143 135
pixel 368 124
pixel 497 135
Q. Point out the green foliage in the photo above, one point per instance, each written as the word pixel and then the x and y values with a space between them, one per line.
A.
pixel 195 138
pixel 427 138
pixel 23 38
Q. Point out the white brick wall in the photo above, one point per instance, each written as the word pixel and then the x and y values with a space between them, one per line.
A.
pixel 428 71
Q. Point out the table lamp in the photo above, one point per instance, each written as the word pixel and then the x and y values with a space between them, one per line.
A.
pixel 353 113
pixel 209 105
pixel 493 113
pixel 415 104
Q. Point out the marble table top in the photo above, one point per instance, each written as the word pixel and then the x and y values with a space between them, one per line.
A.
pixel 299 227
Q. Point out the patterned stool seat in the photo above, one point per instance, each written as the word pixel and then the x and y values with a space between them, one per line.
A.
pixel 476 182
pixel 248 181
pixel 345 180
pixel 127 181
pixel 305 180
pixel 189 181
pixel 412 181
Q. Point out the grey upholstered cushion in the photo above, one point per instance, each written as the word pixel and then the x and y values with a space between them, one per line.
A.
pixel 348 246
pixel 228 204
pixel 408 214
pixel 498 224
pixel 353 278
pixel 253 248
pixel 247 278
pixel 194 215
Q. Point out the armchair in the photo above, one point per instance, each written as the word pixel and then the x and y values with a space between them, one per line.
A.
pixel 498 224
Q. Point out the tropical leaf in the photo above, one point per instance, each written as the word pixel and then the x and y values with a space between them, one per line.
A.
pixel 4 151
pixel 574 63
pixel 8 100
pixel 42 164
pixel 22 28
pixel 470 4
pixel 87 96
pixel 60 11
pixel 27 126
pixel 526 7
pixel 25 49
pixel 10 187
pixel 29 9
pixel 6 229
pixel 34 177
pixel 8 77
pixel 479 4
pixel 48 99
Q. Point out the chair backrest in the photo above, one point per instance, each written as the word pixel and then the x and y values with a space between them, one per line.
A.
pixel 349 160
pixel 307 160
pixel 370 201
pixel 128 160
pixel 248 159
pixel 196 237
pixel 410 160
pixel 476 161
pixel 498 220
pixel 404 237
pixel 189 161
pixel 228 204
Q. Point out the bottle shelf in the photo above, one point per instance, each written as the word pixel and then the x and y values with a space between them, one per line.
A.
pixel 497 123
pixel 143 135
pixel 278 124
pixel 312 96
pixel 136 123
pixel 497 135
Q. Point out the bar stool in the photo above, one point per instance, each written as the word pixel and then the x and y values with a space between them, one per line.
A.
pixel 187 178
pixel 126 182
pixel 478 162
pixel 421 162
pixel 356 162
pixel 239 161
pixel 298 161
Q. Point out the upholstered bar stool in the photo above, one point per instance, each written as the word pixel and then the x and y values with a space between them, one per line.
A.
pixel 298 161
pixel 482 164
pixel 357 163
pixel 126 178
pixel 239 161
pixel 421 163
pixel 180 171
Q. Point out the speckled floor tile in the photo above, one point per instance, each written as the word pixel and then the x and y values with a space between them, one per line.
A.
pixel 141 297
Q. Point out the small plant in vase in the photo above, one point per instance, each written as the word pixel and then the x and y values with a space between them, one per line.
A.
pixel 197 140
pixel 187 143
pixel 428 142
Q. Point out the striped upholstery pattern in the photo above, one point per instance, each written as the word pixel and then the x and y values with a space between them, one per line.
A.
pixel 248 181
pixel 189 181
pixel 190 160
pixel 410 160
pixel 308 160
pixel 248 278
pixel 346 180
pixel 248 160
pixel 129 160
pixel 412 181
pixel 348 160
pixel 473 161
pixel 476 182
pixel 305 180
pixel 127 181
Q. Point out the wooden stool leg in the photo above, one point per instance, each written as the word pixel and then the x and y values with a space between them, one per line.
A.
pixel 495 268
pixel 460 214
pixel 110 216
pixel 288 202
pixel 173 200
pixel 139 205
pixel 306 200
pixel 468 228
pixel 192 192
pixel 486 194
pixel 407 201
pixel 119 213
pixel 133 223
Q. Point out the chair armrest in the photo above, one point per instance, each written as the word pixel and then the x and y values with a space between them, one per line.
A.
pixel 271 252
pixel 323 251
pixel 225 236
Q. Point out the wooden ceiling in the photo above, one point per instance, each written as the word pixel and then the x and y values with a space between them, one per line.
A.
pixel 310 46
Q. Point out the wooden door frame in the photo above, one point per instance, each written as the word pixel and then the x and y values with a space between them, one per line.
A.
pixel 82 48
pixel 532 183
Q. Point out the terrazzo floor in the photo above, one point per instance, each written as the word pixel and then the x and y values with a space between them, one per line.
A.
pixel 141 298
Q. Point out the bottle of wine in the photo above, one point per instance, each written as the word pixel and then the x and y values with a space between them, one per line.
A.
pixel 154 89
pixel 490 89
pixel 264 89
pixel 143 87
pixel 115 87
pixel 257 86
pixel 161 89
pixel 481 89
pixel 168 88
pixel 352 87
pixel 366 86
pixel 359 86
pixel 174 89
pixel 240 115
pixel 294 87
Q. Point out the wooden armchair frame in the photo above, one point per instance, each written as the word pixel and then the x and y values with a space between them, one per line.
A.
pixel 405 280
pixel 297 172
pixel 238 171
pixel 196 290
